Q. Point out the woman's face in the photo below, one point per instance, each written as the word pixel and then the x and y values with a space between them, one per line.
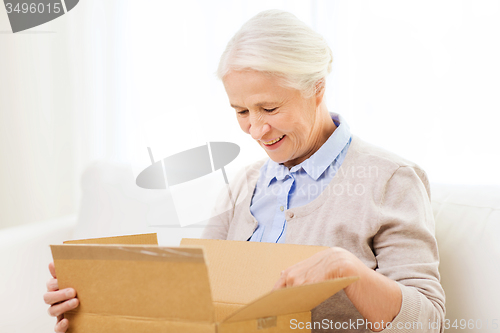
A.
pixel 279 118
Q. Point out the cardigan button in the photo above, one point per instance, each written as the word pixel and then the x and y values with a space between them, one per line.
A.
pixel 290 215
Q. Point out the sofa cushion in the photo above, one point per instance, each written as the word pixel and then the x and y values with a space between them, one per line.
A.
pixel 468 232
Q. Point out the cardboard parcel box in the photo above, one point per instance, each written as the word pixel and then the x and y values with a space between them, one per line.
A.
pixel 129 284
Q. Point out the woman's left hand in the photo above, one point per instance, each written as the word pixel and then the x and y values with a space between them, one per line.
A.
pixel 329 264
pixel 377 298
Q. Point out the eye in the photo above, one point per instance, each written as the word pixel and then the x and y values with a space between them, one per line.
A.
pixel 242 113
pixel 270 110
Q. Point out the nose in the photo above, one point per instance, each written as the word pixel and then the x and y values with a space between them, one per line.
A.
pixel 258 126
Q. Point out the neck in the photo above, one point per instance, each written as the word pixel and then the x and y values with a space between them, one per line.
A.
pixel 323 129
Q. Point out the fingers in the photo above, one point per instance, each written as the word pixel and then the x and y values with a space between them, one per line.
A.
pixel 52 270
pixel 53 297
pixel 311 270
pixel 289 278
pixel 281 283
pixel 285 280
pixel 60 308
pixel 61 326
pixel 52 285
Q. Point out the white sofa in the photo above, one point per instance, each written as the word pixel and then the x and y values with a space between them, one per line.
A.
pixel 468 235
pixel 467 230
pixel 24 258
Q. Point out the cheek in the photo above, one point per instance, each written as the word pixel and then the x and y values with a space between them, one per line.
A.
pixel 296 131
pixel 244 124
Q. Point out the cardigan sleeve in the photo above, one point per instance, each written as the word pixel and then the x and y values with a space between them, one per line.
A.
pixel 406 251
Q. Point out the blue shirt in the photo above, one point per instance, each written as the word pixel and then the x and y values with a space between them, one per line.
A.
pixel 279 188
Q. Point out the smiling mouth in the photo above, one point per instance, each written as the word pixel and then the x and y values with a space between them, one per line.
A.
pixel 270 143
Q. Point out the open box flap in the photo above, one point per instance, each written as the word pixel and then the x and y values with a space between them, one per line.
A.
pixel 129 239
pixel 241 271
pixel 161 282
pixel 291 300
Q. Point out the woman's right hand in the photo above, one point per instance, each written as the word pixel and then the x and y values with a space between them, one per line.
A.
pixel 60 301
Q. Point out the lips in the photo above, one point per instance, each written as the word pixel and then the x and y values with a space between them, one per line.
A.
pixel 272 142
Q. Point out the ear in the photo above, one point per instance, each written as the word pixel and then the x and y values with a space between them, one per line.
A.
pixel 320 91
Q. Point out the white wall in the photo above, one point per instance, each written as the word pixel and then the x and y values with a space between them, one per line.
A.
pixel 37 154
pixel 60 100
pixel 422 79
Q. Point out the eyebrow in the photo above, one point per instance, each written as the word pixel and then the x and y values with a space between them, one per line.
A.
pixel 257 104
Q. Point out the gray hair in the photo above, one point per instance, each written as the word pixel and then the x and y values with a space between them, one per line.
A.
pixel 278 43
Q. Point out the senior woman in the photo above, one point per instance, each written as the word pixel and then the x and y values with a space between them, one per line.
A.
pixel 321 186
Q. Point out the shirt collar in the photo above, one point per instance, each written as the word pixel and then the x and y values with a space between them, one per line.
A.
pixel 315 165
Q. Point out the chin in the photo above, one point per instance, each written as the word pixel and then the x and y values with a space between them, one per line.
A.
pixel 278 159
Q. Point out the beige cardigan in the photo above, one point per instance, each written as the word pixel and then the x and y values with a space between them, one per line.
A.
pixel 377 207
